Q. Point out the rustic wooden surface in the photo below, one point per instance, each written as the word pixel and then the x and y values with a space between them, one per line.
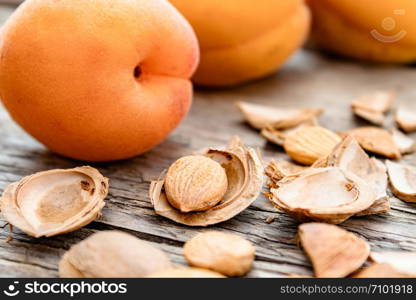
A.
pixel 307 80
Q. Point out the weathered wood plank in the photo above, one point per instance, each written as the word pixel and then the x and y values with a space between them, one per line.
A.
pixel 307 80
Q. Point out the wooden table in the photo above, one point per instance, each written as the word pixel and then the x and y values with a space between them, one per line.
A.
pixel 307 80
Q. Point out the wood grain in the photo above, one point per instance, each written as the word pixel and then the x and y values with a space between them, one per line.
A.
pixel 307 80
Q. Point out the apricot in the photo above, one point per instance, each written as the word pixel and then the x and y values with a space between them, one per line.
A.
pixel 377 30
pixel 242 40
pixel 97 80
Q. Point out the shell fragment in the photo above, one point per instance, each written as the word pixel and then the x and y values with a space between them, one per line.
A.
pixel 373 106
pixel 244 170
pixel 260 116
pixel 56 201
pixel 334 252
pixel 402 180
pixel 329 195
pixel 406 119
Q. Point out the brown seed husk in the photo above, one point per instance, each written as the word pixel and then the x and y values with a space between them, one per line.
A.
pixel 56 201
pixel 308 144
pixel 402 181
pixel 244 171
pixel 403 262
pixel 227 254
pixel 112 254
pixel 323 194
pixel 373 106
pixel 349 156
pixel 195 183
pixel 404 143
pixel 334 252
pixel 260 116
pixel 186 273
pixel 382 270
pixel 406 119
pixel 376 140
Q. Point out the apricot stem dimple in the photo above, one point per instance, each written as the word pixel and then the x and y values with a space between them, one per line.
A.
pixel 137 72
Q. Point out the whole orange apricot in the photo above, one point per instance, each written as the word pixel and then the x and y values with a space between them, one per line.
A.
pixel 377 30
pixel 97 80
pixel 242 40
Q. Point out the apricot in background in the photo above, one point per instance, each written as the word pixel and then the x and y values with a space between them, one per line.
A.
pixel 97 80
pixel 377 30
pixel 241 40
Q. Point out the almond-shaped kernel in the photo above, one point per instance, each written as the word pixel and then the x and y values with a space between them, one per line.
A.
pixel 112 254
pixel 333 251
pixel 225 253
pixel 195 183
pixel 56 201
pixel 244 171
pixel 310 143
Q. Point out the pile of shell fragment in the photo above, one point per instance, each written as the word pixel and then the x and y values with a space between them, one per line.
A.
pixel 201 189
pixel 332 177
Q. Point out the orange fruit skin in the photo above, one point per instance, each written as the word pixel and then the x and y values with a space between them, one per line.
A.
pixel 67 74
pixel 242 40
pixel 375 30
